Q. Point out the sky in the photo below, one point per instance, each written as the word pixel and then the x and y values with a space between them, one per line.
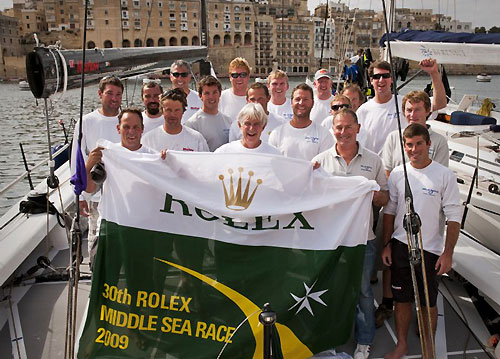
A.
pixel 479 12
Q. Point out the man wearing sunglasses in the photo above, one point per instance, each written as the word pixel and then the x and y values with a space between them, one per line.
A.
pixel 338 103
pixel 378 116
pixel 323 98
pixel 233 99
pixel 180 75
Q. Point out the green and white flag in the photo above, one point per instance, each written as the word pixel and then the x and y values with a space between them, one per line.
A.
pixel 192 246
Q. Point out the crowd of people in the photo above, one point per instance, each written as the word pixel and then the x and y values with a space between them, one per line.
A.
pixel 340 134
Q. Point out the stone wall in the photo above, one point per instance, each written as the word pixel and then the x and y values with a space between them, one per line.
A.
pixel 14 68
pixel 221 57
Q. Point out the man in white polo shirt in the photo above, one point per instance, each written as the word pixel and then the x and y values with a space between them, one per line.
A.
pixel 172 135
pixel 301 137
pixel 348 158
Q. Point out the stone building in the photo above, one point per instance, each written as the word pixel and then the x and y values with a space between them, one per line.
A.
pixel 11 64
pixel 63 14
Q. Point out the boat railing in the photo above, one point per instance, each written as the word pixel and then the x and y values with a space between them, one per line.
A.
pixel 34 168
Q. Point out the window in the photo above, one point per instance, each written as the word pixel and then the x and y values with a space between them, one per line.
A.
pixel 106 12
pixel 171 6
pixel 160 4
pixel 106 22
pixel 137 3
pixel 161 23
pixel 172 25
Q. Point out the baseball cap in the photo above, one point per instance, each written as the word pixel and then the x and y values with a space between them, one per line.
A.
pixel 322 73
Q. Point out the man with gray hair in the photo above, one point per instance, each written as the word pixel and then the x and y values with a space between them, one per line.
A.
pixel 181 76
pixel 252 121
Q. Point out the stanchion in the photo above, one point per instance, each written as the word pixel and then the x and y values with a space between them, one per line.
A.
pixel 268 318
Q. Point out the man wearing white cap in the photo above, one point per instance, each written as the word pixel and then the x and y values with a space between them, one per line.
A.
pixel 323 97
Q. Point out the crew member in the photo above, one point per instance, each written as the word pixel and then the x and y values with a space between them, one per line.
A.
pixel 416 106
pixel 172 135
pixel 436 200
pixel 355 94
pixel 129 128
pixel 209 121
pixel 258 93
pixel 338 103
pixel 181 76
pixel 152 116
pixel 252 121
pixel 233 99
pixel 277 83
pixel 301 137
pixel 348 158
pixel 100 123
pixel 323 86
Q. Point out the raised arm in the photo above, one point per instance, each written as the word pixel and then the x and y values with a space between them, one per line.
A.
pixel 439 98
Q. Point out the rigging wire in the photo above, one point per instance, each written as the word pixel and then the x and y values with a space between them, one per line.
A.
pixel 412 221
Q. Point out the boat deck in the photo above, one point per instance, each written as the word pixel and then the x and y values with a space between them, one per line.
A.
pixel 43 321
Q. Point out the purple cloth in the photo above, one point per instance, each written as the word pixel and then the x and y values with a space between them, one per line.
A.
pixel 79 178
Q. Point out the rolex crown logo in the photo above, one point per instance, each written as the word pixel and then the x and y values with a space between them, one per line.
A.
pixel 238 201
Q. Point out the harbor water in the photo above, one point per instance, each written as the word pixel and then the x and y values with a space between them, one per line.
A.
pixel 23 121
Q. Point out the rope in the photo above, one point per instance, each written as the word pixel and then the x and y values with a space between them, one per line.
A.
pixel 233 333
pixel 14 323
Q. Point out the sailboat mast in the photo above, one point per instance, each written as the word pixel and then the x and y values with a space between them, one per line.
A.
pixel 323 36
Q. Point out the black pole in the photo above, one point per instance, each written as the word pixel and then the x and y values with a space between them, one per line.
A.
pixel 268 318
pixel 323 36
pixel 469 196
pixel 26 167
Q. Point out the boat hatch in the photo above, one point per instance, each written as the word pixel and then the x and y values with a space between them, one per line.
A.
pixel 457 156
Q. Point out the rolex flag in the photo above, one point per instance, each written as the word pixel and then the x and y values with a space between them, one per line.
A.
pixel 191 248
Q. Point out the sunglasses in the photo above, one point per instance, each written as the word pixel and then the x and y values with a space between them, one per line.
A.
pixel 181 74
pixel 338 107
pixel 385 75
pixel 235 75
